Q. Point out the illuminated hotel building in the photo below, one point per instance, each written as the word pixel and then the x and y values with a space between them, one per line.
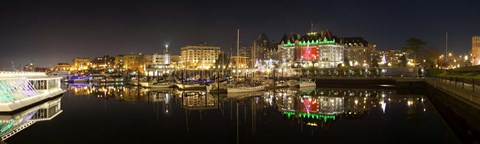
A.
pixel 135 62
pixel 476 50
pixel 313 50
pixel 358 53
pixel 200 56
pixel 81 64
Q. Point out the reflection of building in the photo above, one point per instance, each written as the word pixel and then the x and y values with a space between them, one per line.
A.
pixel 200 56
pixel 200 102
pixel 10 124
pixel 80 64
pixel 330 105
pixel 476 50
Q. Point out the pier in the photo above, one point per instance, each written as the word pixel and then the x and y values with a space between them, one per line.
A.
pixel 21 89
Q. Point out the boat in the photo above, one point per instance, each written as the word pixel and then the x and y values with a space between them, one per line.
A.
pixel 189 86
pixel 293 83
pixel 162 85
pixel 220 87
pixel 79 79
pixel 142 82
pixel 145 83
pixel 134 81
pixel 281 84
pixel 64 74
pixel 243 89
pixel 307 84
pixel 301 84
pixel 245 95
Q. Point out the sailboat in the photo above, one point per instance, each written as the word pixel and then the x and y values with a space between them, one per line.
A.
pixel 243 88
pixel 302 83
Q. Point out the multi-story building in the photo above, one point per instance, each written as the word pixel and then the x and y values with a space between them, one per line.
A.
pixel 29 67
pixel 103 62
pixel 80 64
pixel 476 50
pixel 358 53
pixel 286 50
pixel 239 61
pixel 313 50
pixel 159 64
pixel 263 49
pixel 62 67
pixel 134 62
pixel 390 58
pixel 247 52
pixel 200 56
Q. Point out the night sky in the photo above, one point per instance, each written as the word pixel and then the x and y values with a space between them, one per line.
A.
pixel 48 32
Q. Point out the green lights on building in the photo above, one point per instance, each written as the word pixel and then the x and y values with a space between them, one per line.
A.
pixel 289 44
pixel 310 115
pixel 304 43
pixel 310 42
pixel 326 41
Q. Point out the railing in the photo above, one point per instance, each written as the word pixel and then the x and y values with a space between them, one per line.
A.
pixel 20 74
pixel 464 83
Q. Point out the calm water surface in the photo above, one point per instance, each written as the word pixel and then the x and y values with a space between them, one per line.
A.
pixel 122 114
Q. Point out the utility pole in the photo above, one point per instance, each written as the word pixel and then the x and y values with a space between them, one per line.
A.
pixel 446 48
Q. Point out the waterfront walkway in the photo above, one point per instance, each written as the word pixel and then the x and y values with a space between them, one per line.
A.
pixel 467 92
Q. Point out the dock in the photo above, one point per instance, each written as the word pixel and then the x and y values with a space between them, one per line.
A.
pixel 22 89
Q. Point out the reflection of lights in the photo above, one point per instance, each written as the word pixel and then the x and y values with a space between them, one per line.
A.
pixel 312 124
pixel 384 106
pixel 356 102
pixel 409 103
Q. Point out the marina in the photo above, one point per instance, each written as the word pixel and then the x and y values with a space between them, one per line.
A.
pixel 198 116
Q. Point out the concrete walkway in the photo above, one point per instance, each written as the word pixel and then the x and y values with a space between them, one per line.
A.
pixel 465 92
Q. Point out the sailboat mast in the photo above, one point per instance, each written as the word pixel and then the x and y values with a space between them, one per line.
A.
pixel 238 42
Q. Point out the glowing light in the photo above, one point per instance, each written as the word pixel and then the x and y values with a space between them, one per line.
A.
pixel 310 115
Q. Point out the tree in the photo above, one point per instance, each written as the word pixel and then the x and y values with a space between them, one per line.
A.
pixel 374 62
pixel 429 57
pixel 403 61
pixel 346 62
pixel 413 46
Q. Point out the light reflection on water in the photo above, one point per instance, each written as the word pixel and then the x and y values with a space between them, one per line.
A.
pixel 282 115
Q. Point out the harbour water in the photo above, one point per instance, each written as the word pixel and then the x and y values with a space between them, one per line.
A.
pixel 123 114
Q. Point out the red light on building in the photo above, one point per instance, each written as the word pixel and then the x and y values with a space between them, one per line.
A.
pixel 310 105
pixel 309 53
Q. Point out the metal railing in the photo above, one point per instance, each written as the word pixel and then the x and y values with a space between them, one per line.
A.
pixel 464 83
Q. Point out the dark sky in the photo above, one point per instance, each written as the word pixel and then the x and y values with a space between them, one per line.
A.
pixel 48 32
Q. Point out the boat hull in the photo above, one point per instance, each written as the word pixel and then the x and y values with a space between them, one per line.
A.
pixel 245 89
pixel 190 86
